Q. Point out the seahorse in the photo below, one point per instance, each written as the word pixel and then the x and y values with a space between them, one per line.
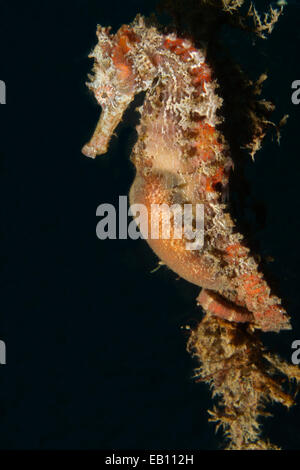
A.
pixel 181 157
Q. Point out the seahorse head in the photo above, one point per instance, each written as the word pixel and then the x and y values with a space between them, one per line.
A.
pixel 172 71
pixel 122 68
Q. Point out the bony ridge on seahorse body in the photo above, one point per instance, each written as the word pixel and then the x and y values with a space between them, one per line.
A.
pixel 180 157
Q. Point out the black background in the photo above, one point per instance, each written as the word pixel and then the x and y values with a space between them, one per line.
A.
pixel 95 351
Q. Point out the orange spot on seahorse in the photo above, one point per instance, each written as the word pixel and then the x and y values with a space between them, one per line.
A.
pixel 178 46
pixel 118 56
pixel 202 75
pixel 236 250
pixel 214 179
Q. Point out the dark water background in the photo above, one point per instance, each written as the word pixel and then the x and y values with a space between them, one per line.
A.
pixel 95 351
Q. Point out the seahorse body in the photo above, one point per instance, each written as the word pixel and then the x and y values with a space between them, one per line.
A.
pixel 180 158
